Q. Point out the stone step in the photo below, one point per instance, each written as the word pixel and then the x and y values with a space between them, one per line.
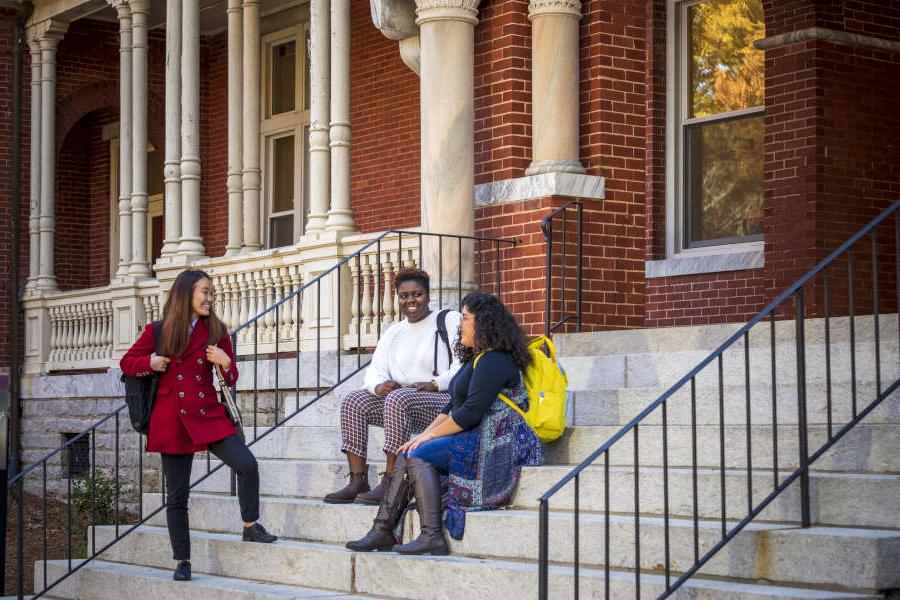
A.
pixel 110 580
pixel 620 406
pixel 840 499
pixel 658 369
pixel 285 477
pixel 836 498
pixel 298 562
pixel 867 448
pixel 762 550
pixel 709 337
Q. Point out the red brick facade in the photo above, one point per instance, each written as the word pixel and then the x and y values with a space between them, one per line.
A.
pixel 831 158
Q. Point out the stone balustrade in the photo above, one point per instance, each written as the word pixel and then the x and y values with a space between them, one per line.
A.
pixel 92 328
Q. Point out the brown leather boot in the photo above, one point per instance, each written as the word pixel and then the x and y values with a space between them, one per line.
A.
pixel 426 484
pixel 359 482
pixel 375 495
pixel 393 503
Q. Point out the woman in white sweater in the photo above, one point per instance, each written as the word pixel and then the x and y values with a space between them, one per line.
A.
pixel 405 385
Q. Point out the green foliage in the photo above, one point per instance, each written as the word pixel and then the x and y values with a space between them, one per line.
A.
pixel 97 493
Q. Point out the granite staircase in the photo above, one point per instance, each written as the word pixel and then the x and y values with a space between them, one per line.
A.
pixel 852 549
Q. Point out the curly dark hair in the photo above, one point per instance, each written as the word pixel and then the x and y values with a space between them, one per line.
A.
pixel 411 274
pixel 495 329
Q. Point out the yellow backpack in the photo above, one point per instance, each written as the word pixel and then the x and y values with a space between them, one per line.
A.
pixel 545 382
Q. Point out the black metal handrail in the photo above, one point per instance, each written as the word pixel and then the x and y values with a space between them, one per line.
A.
pixel 551 325
pixel 486 253
pixel 715 358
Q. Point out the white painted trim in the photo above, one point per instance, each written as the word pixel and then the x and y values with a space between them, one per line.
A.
pixel 570 185
pixel 712 262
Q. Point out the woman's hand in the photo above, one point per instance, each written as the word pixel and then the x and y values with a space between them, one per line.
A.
pixel 159 363
pixel 217 356
pixel 425 386
pixel 415 442
pixel 384 388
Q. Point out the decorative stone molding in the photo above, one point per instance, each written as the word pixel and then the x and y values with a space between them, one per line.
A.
pixel 48 33
pixel 396 19
pixel 411 53
pixel 705 263
pixel 567 185
pixel 554 7
pixel 554 166
pixel 828 35
pixel 447 10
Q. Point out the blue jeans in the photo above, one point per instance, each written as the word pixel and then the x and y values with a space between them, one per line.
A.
pixel 436 452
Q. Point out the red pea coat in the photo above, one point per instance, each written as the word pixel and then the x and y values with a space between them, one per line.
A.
pixel 187 414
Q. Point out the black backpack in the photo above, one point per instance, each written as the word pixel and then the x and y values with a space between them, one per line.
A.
pixel 140 392
pixel 442 333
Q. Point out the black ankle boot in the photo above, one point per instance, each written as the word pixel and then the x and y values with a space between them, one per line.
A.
pixel 396 497
pixel 426 484
pixel 182 571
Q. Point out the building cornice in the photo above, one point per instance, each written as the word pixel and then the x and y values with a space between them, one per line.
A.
pixel 828 35
pixel 447 10
pixel 538 8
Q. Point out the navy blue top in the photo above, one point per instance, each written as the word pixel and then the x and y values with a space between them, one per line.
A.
pixel 472 391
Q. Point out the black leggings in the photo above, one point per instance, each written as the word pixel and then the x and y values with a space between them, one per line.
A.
pixel 177 470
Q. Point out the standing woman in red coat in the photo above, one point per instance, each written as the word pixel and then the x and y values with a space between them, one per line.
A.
pixel 187 416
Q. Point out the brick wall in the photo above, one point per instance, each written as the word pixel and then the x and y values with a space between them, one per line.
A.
pixel 502 91
pixel 214 144
pixel 384 112
pixel 7 25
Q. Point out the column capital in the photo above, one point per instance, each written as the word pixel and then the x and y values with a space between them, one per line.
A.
pixel 139 6
pixel 538 8
pixel 123 9
pixel 447 10
pixel 48 33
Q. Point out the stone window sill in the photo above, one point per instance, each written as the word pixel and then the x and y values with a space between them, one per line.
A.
pixel 712 262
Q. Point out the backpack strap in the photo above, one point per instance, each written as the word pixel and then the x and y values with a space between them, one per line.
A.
pixel 157 336
pixel 501 395
pixel 442 333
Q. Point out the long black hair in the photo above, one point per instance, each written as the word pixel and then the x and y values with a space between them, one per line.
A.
pixel 495 329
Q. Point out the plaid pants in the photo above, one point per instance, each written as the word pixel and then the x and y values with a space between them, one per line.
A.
pixel 402 413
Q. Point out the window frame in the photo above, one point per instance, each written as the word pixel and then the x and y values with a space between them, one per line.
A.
pixel 292 123
pixel 677 163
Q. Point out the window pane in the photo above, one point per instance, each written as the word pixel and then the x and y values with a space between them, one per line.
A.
pixel 281 231
pixel 724 162
pixel 283 174
pixel 726 71
pixel 284 60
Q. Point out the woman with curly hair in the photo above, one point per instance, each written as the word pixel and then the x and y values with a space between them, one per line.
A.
pixel 478 442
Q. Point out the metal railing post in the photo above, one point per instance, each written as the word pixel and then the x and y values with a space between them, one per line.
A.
pixel 801 407
pixel 543 552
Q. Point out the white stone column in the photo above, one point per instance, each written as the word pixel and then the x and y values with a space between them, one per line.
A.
pixel 319 155
pixel 34 191
pixel 49 35
pixel 191 242
pixel 139 98
pixel 554 86
pixel 126 140
pixel 251 171
pixel 340 217
pixel 447 113
pixel 172 168
pixel 235 125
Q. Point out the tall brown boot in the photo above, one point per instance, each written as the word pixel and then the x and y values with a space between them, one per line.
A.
pixel 426 484
pixel 396 497
pixel 359 482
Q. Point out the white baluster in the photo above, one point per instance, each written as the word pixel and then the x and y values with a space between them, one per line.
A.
pixel 107 329
pixel 244 300
pixel 53 313
pixel 71 334
pixel 366 308
pixel 354 292
pixel 269 298
pixel 296 284
pixel 387 300
pixel 90 336
pixel 223 302
pixel 286 314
